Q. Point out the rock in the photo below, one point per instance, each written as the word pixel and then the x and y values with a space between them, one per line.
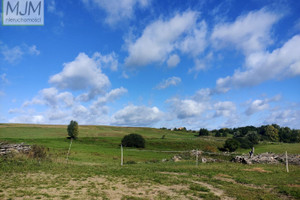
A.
pixel 176 158
pixel 203 160
pixel 267 158
pixel 194 152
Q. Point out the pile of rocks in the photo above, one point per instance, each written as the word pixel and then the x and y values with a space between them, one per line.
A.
pixel 270 158
pixel 13 148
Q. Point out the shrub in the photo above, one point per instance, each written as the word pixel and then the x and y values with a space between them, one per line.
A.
pixel 231 145
pixel 244 142
pixel 133 140
pixel 73 129
pixel 209 148
pixel 38 152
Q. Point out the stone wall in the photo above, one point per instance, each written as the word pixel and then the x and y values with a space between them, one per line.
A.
pixel 13 148
pixel 270 158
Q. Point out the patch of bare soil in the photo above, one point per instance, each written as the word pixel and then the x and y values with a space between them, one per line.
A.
pixel 216 191
pixel 174 173
pixel 98 187
pixel 257 169
pixel 225 178
pixel 294 185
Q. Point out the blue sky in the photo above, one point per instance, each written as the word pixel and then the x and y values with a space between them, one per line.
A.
pixel 151 63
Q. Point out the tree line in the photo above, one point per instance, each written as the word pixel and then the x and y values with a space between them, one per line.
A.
pixel 248 136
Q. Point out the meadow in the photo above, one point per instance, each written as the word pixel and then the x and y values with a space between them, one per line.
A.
pixel 93 170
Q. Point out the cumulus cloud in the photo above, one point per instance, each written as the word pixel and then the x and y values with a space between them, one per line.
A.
pixel 159 39
pixel 187 108
pixel 173 60
pixel 110 96
pixel 137 116
pixel 261 66
pixel 249 33
pixel 195 42
pixel 83 73
pixel 107 61
pixel 224 108
pixel 51 97
pixel 260 105
pixel 117 10
pixel 172 81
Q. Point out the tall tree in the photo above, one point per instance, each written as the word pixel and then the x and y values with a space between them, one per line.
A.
pixel 203 132
pixel 272 133
pixel 73 130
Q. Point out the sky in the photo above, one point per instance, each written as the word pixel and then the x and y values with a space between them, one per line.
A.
pixel 151 63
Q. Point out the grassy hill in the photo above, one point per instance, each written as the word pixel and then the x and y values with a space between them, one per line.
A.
pixel 94 170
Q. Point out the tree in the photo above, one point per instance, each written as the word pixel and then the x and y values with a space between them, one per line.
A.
pixel 231 144
pixel 271 133
pixel 133 140
pixel 203 132
pixel 224 134
pixel 218 134
pixel 73 130
pixel 253 137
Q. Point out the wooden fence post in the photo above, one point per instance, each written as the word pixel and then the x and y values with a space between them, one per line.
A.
pixel 121 155
pixel 197 158
pixel 286 162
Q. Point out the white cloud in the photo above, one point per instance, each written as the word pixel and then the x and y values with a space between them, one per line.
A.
pixel 173 60
pixel 117 10
pixel 256 106
pixel 33 50
pixel 224 108
pixel 81 74
pixel 51 97
pixel 260 105
pixel 248 33
pixel 159 39
pixel 286 117
pixel 199 66
pixel 172 81
pixel 195 43
pixel 187 108
pixel 14 55
pixel 137 116
pixel 281 63
pixel 110 96
pixel 107 61
pixel 31 119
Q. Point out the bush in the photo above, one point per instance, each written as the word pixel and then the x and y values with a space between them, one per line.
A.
pixel 38 152
pixel 244 142
pixel 209 148
pixel 133 140
pixel 230 145
pixel 73 129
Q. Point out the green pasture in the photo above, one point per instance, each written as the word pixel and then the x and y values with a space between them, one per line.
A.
pixel 94 172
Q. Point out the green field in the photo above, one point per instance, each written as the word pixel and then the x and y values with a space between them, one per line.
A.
pixel 94 171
